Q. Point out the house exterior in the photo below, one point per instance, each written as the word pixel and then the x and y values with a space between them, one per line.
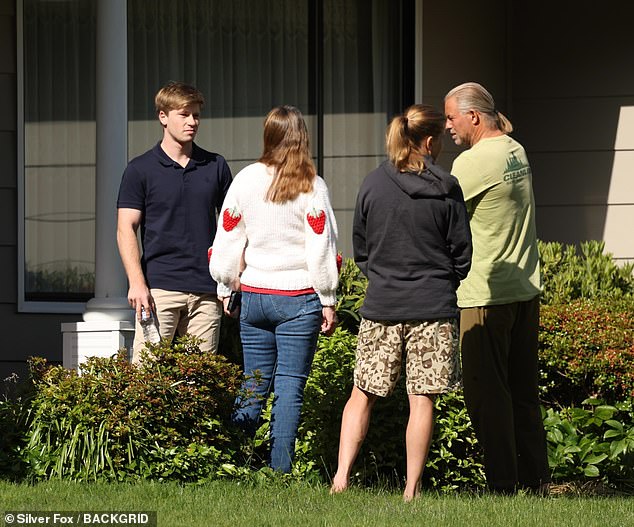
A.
pixel 78 79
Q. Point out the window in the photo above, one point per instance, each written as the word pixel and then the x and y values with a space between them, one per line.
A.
pixel 58 141
pixel 344 63
pixel 245 56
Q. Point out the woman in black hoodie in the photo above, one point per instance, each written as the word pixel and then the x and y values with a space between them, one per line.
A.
pixel 411 238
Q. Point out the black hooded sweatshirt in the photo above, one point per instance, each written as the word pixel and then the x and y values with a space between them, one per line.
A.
pixel 411 238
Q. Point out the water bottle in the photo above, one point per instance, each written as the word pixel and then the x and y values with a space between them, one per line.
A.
pixel 148 324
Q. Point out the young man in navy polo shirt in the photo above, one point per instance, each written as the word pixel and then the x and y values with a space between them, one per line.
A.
pixel 172 192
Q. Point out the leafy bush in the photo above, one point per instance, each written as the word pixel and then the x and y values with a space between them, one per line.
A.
pixel 13 421
pixel 587 350
pixel 170 417
pixel 569 274
pixel 594 440
pixel 455 458
pixel 166 419
pixel 350 295
pixel 326 393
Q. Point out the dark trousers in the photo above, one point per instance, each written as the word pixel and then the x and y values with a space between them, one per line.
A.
pixel 500 374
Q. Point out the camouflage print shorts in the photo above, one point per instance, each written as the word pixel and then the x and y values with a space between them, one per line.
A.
pixel 432 361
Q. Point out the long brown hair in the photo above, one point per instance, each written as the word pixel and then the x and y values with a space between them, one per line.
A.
pixel 287 149
pixel 406 133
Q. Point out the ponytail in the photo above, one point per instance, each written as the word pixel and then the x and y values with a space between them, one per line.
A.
pixel 503 123
pixel 406 133
pixel 397 141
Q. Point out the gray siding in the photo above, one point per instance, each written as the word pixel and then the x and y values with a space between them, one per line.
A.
pixel 457 49
pixel 573 102
pixel 562 73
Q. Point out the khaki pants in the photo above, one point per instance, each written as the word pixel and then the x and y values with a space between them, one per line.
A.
pixel 178 313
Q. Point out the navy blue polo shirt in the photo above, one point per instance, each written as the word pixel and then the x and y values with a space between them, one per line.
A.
pixel 179 208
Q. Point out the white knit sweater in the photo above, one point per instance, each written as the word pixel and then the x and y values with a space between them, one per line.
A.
pixel 289 246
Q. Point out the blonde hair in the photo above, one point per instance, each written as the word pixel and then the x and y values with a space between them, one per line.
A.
pixel 176 95
pixel 406 133
pixel 474 96
pixel 287 149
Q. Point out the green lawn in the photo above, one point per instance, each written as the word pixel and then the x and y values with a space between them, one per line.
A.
pixel 233 504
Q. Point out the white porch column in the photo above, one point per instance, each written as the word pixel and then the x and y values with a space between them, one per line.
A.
pixel 110 302
pixel 108 320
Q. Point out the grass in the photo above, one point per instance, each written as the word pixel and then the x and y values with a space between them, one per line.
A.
pixel 227 503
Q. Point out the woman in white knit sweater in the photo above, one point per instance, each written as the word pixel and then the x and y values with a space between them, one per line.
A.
pixel 277 244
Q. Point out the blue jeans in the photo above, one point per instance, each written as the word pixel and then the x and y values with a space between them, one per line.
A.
pixel 279 337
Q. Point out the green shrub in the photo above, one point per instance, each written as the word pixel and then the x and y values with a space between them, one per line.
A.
pixel 350 295
pixel 13 422
pixel 326 393
pixel 569 274
pixel 455 458
pixel 587 350
pixel 594 440
pixel 166 419
pixel 170 417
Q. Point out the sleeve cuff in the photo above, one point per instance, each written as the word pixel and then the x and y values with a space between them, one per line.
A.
pixel 222 290
pixel 327 299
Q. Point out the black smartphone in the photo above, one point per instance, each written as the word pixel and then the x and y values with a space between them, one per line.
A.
pixel 234 301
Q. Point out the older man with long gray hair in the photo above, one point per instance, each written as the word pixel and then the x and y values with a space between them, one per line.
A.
pixel 499 299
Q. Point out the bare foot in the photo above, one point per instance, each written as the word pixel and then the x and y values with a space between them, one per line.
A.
pixel 339 484
pixel 410 493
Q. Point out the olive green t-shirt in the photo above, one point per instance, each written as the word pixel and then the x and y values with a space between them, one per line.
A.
pixel 497 184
